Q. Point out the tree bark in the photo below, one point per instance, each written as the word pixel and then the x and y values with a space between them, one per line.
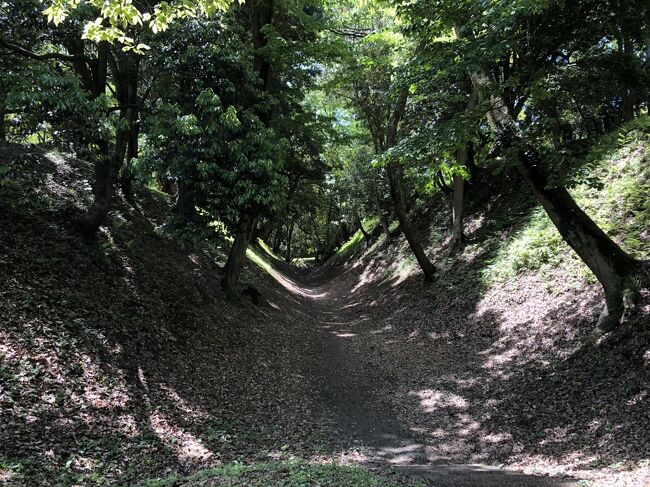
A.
pixel 457 233
pixel 628 93
pixel 3 126
pixel 287 257
pixel 186 200
pixel 107 167
pixel 277 240
pixel 397 192
pixel 615 270
pixel 383 220
pixel 365 234
pixel 462 158
pixel 236 256
pixel 126 174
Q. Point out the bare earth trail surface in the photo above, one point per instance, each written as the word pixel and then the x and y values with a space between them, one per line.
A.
pixel 348 369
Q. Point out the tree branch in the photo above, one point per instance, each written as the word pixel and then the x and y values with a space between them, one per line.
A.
pixel 42 57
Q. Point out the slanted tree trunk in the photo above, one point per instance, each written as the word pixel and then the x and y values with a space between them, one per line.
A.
pixel 397 192
pixel 330 245
pixel 365 234
pixel 616 271
pixel 236 256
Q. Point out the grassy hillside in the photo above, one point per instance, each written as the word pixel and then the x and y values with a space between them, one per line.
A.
pixel 615 193
pixel 617 198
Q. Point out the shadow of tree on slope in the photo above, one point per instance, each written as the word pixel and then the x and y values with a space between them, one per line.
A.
pixel 120 360
pixel 496 374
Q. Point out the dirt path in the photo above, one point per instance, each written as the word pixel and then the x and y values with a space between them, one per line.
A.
pixel 350 378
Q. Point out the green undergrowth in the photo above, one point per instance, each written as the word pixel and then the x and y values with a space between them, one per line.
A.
pixel 355 244
pixel 618 199
pixel 350 246
pixel 264 246
pixel 259 255
pixel 281 474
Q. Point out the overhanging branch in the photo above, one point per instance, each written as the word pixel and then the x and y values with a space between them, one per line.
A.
pixel 42 57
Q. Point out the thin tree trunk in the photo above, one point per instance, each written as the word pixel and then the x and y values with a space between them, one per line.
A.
pixel 236 256
pixel 462 158
pixel 458 235
pixel 289 237
pixel 365 234
pixel 277 241
pixel 397 193
pixel 615 270
pixel 126 174
pixel 628 94
pixel 3 129
pixel 383 220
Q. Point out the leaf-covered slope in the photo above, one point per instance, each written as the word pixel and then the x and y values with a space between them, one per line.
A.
pixel 492 363
pixel 120 359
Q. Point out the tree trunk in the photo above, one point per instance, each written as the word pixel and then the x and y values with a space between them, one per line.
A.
pixel 397 193
pixel 628 93
pixel 462 158
pixel 186 201
pixel 107 167
pixel 615 270
pixel 330 245
pixel 3 126
pixel 394 176
pixel 126 174
pixel 365 234
pixel 277 241
pixel 236 256
pixel 458 235
pixel 383 220
pixel 289 236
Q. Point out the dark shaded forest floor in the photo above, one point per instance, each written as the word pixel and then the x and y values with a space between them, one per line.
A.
pixel 121 361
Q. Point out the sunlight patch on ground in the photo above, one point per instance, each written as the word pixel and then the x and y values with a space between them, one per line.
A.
pixel 285 282
pixel 432 400
pixel 367 276
pixel 186 446
pixel 99 395
pixel 343 334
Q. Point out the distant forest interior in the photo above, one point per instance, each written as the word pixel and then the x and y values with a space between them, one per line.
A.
pixel 335 243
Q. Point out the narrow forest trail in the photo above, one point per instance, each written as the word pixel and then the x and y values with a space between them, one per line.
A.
pixel 350 380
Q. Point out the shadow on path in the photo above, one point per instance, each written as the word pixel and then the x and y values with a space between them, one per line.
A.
pixel 366 422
